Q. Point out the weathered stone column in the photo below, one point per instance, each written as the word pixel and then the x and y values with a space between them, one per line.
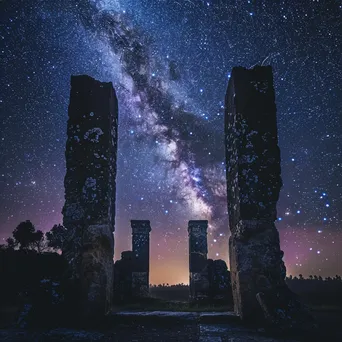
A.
pixel 198 250
pixel 89 209
pixel 141 250
pixel 253 186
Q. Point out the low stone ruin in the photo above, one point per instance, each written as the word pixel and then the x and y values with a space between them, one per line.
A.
pixel 219 280
pixel 209 279
pixel 123 270
pixel 131 272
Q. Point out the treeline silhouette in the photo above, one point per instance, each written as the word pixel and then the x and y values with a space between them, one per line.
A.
pixel 25 237
pixel 317 291
pixel 314 290
pixel 31 267
pixel 178 292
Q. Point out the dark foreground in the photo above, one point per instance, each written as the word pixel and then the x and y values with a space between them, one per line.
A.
pixel 176 326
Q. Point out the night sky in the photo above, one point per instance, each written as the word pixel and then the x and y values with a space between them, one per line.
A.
pixel 171 162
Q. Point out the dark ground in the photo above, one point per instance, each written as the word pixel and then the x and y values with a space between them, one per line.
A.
pixel 176 319
pixel 176 326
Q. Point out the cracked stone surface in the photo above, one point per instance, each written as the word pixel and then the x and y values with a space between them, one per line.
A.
pixel 89 210
pixel 253 185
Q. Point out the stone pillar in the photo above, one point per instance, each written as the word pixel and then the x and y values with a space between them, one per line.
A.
pixel 253 186
pixel 198 250
pixel 141 249
pixel 89 209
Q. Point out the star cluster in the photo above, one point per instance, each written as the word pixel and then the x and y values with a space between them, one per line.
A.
pixel 170 62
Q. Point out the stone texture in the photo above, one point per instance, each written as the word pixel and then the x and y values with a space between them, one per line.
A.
pixel 141 249
pixel 89 210
pixel 219 279
pixel 253 186
pixel 198 267
pixel 283 310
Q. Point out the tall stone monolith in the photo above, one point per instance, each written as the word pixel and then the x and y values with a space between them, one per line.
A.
pixel 141 250
pixel 253 186
pixel 198 250
pixel 89 209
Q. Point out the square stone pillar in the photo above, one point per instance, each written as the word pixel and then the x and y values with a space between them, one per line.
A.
pixel 253 186
pixel 198 266
pixel 89 209
pixel 141 249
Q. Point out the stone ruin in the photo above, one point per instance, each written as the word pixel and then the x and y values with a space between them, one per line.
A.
pixel 123 269
pixel 209 279
pixel 253 185
pixel 141 250
pixel 89 209
pixel 198 250
pixel 131 272
pixel 219 280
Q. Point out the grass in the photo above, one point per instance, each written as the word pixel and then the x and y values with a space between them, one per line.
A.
pixel 154 304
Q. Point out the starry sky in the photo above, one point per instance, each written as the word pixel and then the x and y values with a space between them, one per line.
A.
pixel 170 62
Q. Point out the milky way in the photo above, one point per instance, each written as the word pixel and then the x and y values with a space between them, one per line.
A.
pixel 170 62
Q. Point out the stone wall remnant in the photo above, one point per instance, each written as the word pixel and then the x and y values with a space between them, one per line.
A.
pixel 89 209
pixel 141 249
pixel 123 269
pixel 219 280
pixel 253 186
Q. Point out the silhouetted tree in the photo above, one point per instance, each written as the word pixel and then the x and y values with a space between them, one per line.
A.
pixel 24 234
pixel 10 243
pixel 56 237
pixel 26 237
pixel 38 241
